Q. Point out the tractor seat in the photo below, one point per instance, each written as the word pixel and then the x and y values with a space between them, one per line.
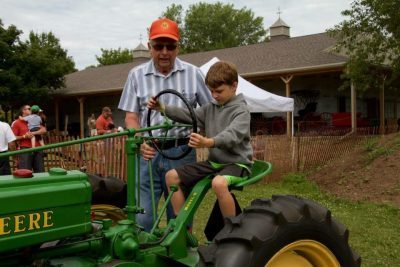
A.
pixel 259 170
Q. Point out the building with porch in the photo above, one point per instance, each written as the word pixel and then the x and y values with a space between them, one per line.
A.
pixel 304 67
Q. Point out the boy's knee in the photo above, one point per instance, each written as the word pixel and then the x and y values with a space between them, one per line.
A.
pixel 219 183
pixel 171 177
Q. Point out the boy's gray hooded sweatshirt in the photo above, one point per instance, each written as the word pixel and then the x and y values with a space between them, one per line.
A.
pixel 228 124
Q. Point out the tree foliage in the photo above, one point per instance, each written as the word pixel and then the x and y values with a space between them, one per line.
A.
pixel 30 69
pixel 114 56
pixel 214 26
pixel 9 80
pixel 174 12
pixel 371 38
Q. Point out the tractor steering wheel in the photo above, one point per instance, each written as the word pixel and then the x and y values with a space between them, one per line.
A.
pixel 159 143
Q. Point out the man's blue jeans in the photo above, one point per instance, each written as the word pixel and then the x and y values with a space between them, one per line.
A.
pixel 160 166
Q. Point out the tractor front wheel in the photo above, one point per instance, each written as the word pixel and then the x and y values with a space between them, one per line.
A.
pixel 278 232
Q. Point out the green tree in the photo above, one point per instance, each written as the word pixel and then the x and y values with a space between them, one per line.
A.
pixel 214 26
pixel 44 62
pixel 31 69
pixel 9 80
pixel 174 12
pixel 371 38
pixel 114 56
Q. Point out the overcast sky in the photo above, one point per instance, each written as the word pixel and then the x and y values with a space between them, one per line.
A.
pixel 83 26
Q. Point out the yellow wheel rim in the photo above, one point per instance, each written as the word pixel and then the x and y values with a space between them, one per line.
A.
pixel 304 253
pixel 103 211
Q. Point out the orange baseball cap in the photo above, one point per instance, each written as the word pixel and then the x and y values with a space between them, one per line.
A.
pixel 164 28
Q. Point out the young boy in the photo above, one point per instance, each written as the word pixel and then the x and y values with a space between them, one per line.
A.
pixel 226 123
pixel 34 123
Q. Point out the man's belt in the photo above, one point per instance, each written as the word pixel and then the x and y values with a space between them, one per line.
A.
pixel 167 144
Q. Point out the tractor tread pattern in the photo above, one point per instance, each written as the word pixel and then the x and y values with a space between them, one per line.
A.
pixel 247 238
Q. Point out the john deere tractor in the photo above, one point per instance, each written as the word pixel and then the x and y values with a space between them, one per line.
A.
pixel 47 219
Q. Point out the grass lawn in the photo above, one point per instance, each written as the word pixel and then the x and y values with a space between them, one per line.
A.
pixel 374 229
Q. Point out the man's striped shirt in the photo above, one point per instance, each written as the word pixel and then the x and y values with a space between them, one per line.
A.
pixel 144 81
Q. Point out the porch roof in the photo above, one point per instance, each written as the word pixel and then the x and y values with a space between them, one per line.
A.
pixel 277 57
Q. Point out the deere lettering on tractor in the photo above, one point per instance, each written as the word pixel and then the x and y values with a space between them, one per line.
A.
pixel 46 219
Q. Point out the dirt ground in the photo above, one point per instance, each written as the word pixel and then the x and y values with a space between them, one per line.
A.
pixel 361 176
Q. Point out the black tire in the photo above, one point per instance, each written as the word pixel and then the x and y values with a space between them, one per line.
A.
pixel 269 226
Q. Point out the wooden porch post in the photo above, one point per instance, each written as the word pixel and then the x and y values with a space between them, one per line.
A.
pixel 382 108
pixel 57 111
pixel 287 80
pixel 396 95
pixel 81 114
pixel 353 108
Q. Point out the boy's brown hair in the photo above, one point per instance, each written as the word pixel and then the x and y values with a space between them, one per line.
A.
pixel 221 73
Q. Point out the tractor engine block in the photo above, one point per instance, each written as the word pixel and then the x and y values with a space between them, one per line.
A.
pixel 42 207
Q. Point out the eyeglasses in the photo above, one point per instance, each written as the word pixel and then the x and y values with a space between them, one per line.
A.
pixel 159 47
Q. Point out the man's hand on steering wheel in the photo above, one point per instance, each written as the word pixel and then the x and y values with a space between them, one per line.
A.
pixel 199 141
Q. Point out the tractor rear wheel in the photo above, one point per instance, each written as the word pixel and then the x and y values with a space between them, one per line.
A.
pixel 278 232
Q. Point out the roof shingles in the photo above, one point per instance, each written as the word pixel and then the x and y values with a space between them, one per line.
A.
pixel 283 54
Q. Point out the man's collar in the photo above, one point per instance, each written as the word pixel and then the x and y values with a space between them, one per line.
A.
pixel 151 69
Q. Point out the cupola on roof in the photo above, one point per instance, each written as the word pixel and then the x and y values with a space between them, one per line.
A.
pixel 141 51
pixel 279 23
pixel 279 30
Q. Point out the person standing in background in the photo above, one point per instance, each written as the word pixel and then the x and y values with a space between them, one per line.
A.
pixel 91 123
pixel 34 123
pixel 104 123
pixel 34 160
pixel 7 139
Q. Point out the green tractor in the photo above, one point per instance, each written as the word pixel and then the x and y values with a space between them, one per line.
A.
pixel 47 219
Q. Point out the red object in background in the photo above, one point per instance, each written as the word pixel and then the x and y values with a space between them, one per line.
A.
pixel 343 119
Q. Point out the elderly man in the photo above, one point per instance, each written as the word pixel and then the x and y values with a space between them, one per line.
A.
pixel 163 71
pixel 32 161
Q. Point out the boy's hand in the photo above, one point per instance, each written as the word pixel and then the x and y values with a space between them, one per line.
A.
pixel 154 104
pixel 199 141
